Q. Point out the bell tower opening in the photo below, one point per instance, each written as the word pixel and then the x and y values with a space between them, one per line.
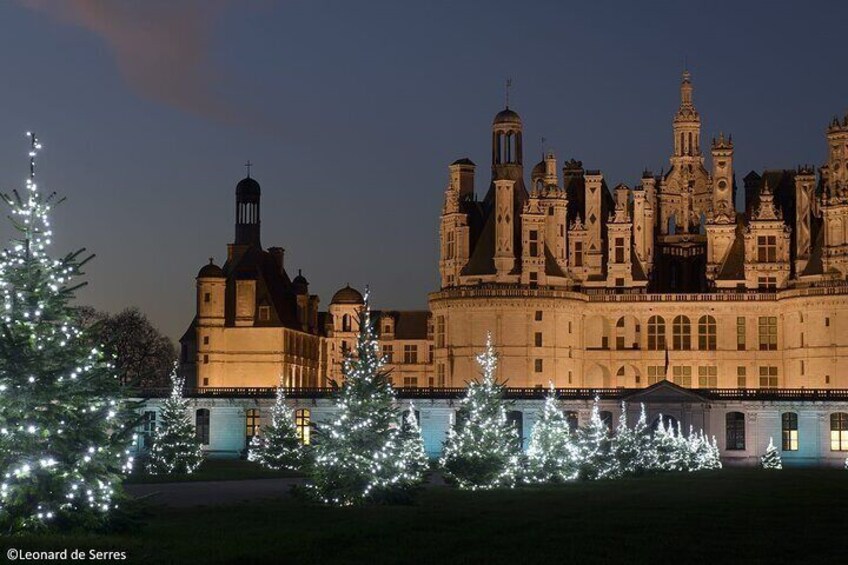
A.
pixel 247 212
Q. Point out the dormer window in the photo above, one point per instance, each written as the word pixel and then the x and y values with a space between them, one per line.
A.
pixel 264 313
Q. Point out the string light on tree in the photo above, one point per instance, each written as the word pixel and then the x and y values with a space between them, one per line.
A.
pixel 551 455
pixel 482 447
pixel 64 430
pixel 278 446
pixel 771 458
pixel 175 448
pixel 362 454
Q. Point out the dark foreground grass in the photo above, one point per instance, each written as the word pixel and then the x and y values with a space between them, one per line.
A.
pixel 751 516
pixel 214 470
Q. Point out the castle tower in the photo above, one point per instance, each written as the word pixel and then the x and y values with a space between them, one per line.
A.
pixel 766 246
pixel 211 285
pixel 805 185
pixel 723 196
pixel 508 186
pixel 247 212
pixel 687 123
pixel 834 202
pixel 453 229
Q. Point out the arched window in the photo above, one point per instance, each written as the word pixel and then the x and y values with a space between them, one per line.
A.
pixel 681 337
pixel 302 418
pixel 656 333
pixel 789 431
pixel 707 333
pixel 620 333
pixel 839 431
pixel 251 423
pixel 346 323
pixel 735 424
pixel 201 425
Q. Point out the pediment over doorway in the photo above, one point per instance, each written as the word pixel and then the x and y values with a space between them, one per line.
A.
pixel 665 391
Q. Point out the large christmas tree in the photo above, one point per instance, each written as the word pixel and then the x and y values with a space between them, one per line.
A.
pixel 360 455
pixel 175 448
pixel 551 455
pixel 277 446
pixel 64 432
pixel 481 450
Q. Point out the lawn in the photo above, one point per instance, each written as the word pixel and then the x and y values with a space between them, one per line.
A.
pixel 752 516
pixel 214 470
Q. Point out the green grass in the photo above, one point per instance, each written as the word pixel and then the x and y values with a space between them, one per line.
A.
pixel 214 470
pixel 751 516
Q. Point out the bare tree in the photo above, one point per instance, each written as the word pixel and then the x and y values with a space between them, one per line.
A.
pixel 142 355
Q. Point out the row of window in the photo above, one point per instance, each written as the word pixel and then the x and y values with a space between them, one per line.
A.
pixel 735 427
pixel 410 354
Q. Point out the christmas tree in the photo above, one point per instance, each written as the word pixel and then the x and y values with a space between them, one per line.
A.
pixel 64 431
pixel 646 460
pixel 277 446
pixel 551 455
pixel 771 458
pixel 481 450
pixel 596 460
pixel 360 455
pixel 175 449
pixel 666 447
pixel 412 443
pixel 626 446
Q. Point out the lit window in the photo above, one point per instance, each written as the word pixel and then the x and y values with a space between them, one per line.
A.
pixel 741 377
pixel 302 425
pixel 388 353
pixel 740 333
pixel 707 333
pixel 681 333
pixel 656 333
pixel 735 423
pixel 789 429
pixel 767 249
pixel 410 381
pixel 768 333
pixel 251 418
pixel 656 373
pixel 682 375
pixel 708 377
pixel 768 377
pixel 839 431
pixel 410 354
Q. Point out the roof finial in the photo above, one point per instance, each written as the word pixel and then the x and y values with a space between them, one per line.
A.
pixel 247 166
pixel 508 85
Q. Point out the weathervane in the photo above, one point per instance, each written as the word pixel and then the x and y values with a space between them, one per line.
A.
pixel 247 166
pixel 508 84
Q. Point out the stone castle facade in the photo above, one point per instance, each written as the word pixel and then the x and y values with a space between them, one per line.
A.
pixel 581 286
pixel 733 321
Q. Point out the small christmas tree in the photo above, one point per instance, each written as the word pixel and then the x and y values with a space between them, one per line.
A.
pixel 481 450
pixel 551 455
pixel 771 458
pixel 666 447
pixel 175 449
pixel 596 460
pixel 626 446
pixel 277 446
pixel 64 430
pixel 412 443
pixel 360 455
pixel 646 460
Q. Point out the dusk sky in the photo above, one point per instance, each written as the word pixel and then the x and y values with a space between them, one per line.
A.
pixel 352 111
